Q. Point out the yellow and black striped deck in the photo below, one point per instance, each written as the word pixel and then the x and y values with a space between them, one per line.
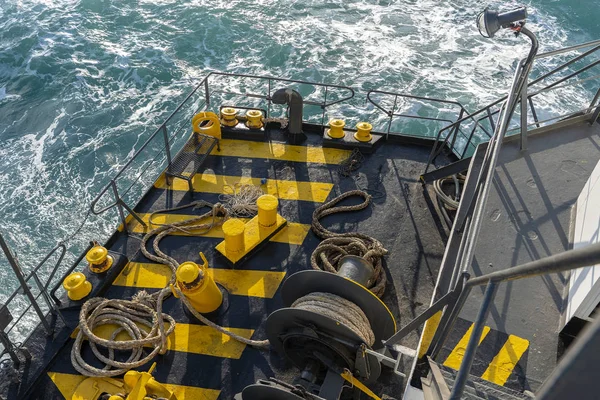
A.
pixel 204 364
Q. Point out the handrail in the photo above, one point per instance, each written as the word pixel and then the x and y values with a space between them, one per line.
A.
pixel 177 126
pixel 441 143
pixel 561 262
pixel 391 113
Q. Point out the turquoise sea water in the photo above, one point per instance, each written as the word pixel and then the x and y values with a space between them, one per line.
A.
pixel 84 82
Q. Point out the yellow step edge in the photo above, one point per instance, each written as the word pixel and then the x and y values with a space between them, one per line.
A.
pixel 429 329
pixel 286 190
pixel 280 151
pixel 67 384
pixel 292 233
pixel 238 282
pixel 192 338
pixel 456 356
pixel 505 361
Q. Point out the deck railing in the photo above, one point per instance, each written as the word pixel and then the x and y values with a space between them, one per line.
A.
pixel 465 231
pixel 126 187
pixel 482 122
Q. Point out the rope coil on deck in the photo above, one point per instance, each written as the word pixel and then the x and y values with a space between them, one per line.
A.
pixel 448 202
pixel 328 253
pixel 126 314
pixel 145 309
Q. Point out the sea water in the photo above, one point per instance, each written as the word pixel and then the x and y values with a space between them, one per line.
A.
pixel 84 82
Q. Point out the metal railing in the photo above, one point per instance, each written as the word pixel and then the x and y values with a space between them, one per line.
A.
pixel 154 153
pixel 24 289
pixel 483 122
pixel 459 254
pixel 401 100
pixel 199 99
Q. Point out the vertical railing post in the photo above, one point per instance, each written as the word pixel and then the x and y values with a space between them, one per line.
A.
pixel 533 112
pixel 469 356
pixel 597 111
pixel 206 92
pixel 391 117
pixel 113 185
pixel 269 98
pixel 456 130
pixel 524 117
pixel 491 118
pixel 167 147
pixel 21 278
pixel 323 107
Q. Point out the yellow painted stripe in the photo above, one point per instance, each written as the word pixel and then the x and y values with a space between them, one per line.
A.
pixel 67 384
pixel 280 151
pixel 428 331
pixel 192 338
pixel 455 358
pixel 292 233
pixel 239 282
pixel 505 361
pixel 287 190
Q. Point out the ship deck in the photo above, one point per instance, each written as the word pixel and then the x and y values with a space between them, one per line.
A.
pixel 528 216
pixel 204 364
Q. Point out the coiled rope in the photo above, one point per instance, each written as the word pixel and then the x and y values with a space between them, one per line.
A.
pixel 145 309
pixel 241 202
pixel 448 202
pixel 328 253
pixel 340 310
pixel 126 314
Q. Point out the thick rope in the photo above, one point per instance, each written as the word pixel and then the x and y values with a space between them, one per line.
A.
pixel 328 253
pixel 241 202
pixel 217 214
pixel 126 314
pixel 145 309
pixel 340 310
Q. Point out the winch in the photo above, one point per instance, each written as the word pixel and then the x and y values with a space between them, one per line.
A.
pixel 328 329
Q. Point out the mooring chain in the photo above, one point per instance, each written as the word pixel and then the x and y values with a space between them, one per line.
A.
pixel 336 245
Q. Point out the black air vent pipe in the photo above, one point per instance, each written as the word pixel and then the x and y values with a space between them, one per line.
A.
pixel 294 102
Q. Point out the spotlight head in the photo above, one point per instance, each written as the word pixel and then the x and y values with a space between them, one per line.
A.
pixel 490 21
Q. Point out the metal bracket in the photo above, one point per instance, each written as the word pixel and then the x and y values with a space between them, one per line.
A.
pixel 393 363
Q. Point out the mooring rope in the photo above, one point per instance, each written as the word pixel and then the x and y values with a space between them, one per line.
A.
pixel 340 310
pixel 145 309
pixel 336 245
pixel 126 314
pixel 241 202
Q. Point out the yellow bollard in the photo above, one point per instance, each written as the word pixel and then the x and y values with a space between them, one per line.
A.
pixel 254 119
pixel 199 288
pixel 363 132
pixel 77 286
pixel 229 116
pixel 267 210
pixel 336 129
pixel 99 259
pixel 233 231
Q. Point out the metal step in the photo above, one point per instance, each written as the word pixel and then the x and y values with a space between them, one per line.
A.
pixel 440 381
